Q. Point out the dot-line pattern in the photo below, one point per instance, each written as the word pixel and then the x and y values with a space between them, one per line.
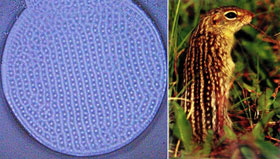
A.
pixel 84 79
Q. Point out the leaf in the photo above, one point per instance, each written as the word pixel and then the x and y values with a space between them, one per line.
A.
pixel 264 101
pixel 171 126
pixel 247 152
pixel 238 103
pixel 207 144
pixel 268 149
pixel 258 131
pixel 239 66
pixel 173 33
pixel 259 128
pixel 269 83
pixel 248 87
pixel 197 12
pixel 235 154
pixel 182 128
pixel 267 117
pixel 229 133
pixel 276 104
pixel 259 48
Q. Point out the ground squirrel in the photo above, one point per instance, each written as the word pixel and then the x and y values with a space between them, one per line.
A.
pixel 209 67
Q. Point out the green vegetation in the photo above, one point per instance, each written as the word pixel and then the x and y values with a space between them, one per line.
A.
pixel 254 96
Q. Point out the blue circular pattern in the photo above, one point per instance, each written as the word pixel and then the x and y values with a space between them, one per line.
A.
pixel 84 78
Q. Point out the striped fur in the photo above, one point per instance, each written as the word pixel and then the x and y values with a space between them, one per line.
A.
pixel 207 74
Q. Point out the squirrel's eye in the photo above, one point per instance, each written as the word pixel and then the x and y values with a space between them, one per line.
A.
pixel 231 15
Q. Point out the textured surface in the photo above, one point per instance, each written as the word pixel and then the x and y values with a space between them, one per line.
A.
pixel 15 142
pixel 209 65
pixel 157 10
pixel 87 82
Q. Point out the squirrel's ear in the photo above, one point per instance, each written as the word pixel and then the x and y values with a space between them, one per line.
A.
pixel 215 19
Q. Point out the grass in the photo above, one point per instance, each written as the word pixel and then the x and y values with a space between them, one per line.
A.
pixel 254 96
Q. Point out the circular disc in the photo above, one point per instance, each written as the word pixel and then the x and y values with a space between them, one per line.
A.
pixel 84 79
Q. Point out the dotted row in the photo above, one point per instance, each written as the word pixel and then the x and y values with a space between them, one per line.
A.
pixel 85 83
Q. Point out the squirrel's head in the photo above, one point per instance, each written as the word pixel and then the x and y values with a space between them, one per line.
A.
pixel 228 19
